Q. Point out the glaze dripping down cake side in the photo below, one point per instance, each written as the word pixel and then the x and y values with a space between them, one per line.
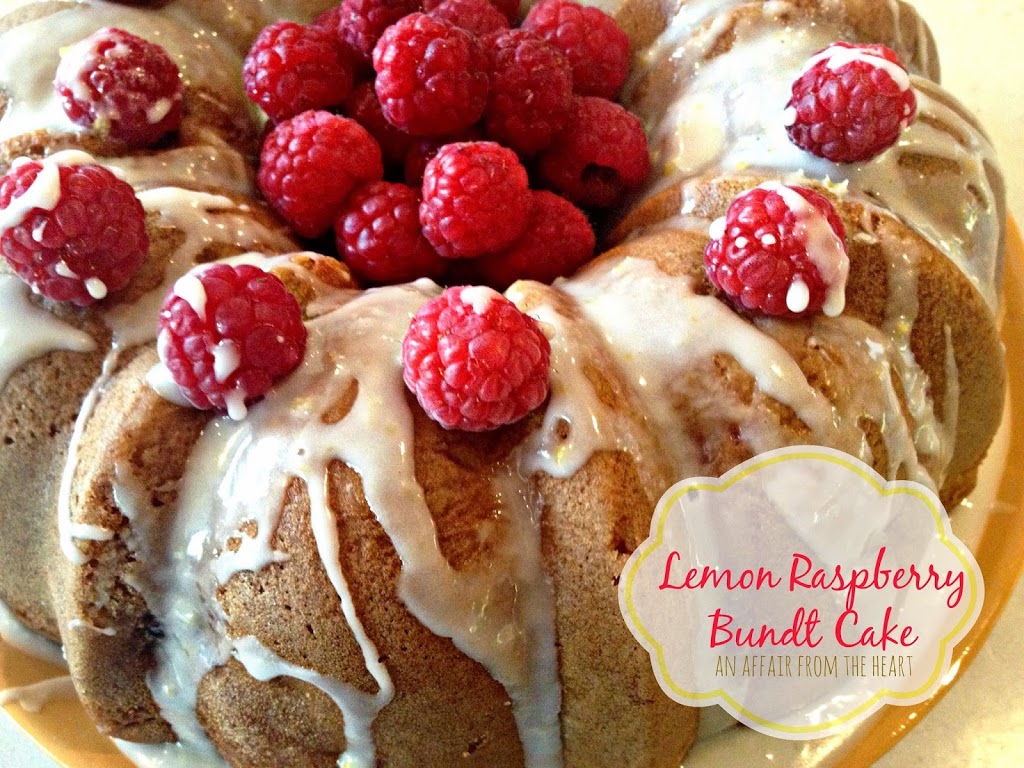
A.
pixel 337 580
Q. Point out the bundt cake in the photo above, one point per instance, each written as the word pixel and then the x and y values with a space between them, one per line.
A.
pixel 335 579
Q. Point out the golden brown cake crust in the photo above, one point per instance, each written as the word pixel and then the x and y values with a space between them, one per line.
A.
pixel 875 241
pixel 40 402
pixel 447 709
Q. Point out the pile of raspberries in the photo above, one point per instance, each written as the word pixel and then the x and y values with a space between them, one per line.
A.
pixel 437 141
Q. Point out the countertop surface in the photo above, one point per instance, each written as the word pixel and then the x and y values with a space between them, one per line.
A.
pixel 981 722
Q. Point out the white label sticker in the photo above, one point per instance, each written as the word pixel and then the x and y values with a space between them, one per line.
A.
pixel 801 592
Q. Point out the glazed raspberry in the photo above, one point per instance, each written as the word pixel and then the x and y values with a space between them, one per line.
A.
pixel 476 16
pixel 227 333
pixel 363 107
pixel 422 151
pixel 310 163
pixel 531 91
pixel 474 361
pixel 595 46
pixel 291 68
pixel 558 239
pixel 780 250
pixel 600 157
pixel 850 103
pixel 88 244
pixel 476 199
pixel 379 236
pixel 121 86
pixel 362 22
pixel 431 76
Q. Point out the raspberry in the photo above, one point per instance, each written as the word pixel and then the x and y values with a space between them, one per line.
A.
pixel 422 151
pixel 71 229
pixel 121 86
pixel 227 333
pixel 431 76
pixel 363 107
pixel 362 22
pixel 310 163
pixel 850 103
pixel 780 250
pixel 510 8
pixel 291 68
pixel 476 16
pixel 531 92
pixel 597 49
pixel 476 199
pixel 558 239
pixel 329 20
pixel 379 236
pixel 600 157
pixel 474 361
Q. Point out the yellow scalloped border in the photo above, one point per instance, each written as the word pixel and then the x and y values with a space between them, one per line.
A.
pixel 884 489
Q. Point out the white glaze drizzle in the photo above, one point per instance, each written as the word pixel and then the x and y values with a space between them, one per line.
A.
pixel 204 219
pixel 210 168
pixel 538 703
pixel 68 530
pixel 837 56
pixel 28 331
pixel 263 664
pixel 284 436
pixel 44 191
pixel 653 324
pixel 171 552
pixel 90 627
pixel 824 248
pixel 32 698
pixel 15 633
pixel 727 113
pixel 168 755
pixel 572 399
pixel 934 436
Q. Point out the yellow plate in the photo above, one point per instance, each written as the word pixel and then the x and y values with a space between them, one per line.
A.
pixel 63 730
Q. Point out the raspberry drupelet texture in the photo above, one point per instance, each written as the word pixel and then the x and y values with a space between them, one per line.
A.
pixel 120 86
pixel 329 20
pixel 423 149
pixel 362 22
pixel 850 103
pixel 478 17
pixel 599 157
pixel 781 251
pixel 531 91
pixel 431 76
pixel 476 199
pixel 557 241
pixel 594 44
pixel 474 361
pixel 379 236
pixel 311 163
pixel 509 9
pixel 227 333
pixel 364 107
pixel 291 68
pixel 72 232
